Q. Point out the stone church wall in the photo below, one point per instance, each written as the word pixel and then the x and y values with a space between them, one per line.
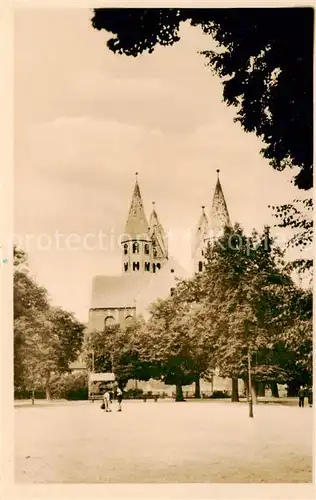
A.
pixel 98 318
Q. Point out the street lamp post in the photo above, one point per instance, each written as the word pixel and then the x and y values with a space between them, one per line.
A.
pixel 250 385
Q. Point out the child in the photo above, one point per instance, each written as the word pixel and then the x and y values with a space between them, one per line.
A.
pixel 106 400
pixel 119 395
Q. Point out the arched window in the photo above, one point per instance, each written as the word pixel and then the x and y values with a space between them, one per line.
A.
pixel 129 320
pixel 158 265
pixel 147 266
pixel 202 253
pixel 154 268
pixel 136 247
pixel 200 266
pixel 171 291
pixel 125 266
pixel 109 320
pixel 146 249
pixel 135 266
pixel 125 249
pixel 155 252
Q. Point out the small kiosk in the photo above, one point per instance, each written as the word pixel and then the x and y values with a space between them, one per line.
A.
pixel 98 383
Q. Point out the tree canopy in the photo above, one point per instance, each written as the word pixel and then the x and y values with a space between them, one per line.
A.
pixel 265 61
pixel 46 338
pixel 243 301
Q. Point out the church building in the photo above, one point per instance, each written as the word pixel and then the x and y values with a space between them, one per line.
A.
pixel 148 272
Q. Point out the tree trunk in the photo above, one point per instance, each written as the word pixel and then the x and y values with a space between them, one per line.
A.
pixel 254 392
pixel 179 392
pixel 47 387
pixel 33 396
pixel 274 389
pixel 261 389
pixel 197 393
pixel 235 396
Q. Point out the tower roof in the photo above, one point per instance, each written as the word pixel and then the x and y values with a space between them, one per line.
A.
pixel 201 231
pixel 157 233
pixel 219 216
pixel 136 225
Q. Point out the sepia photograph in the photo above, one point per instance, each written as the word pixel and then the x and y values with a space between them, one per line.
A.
pixel 163 245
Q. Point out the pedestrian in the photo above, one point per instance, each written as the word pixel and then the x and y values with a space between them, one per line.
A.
pixel 106 400
pixel 310 396
pixel 301 396
pixel 119 395
pixel 286 389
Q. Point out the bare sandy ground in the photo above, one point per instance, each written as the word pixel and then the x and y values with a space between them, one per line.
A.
pixel 162 442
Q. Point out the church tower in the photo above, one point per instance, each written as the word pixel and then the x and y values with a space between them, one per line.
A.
pixel 199 243
pixel 219 216
pixel 158 238
pixel 210 227
pixel 136 242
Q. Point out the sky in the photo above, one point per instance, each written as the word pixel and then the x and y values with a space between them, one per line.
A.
pixel 86 120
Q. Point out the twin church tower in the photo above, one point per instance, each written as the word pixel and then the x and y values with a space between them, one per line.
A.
pixel 145 245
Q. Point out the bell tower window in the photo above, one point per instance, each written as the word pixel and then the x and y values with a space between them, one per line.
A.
pixel 147 266
pixel 154 268
pixel 125 266
pixel 200 266
pixel 146 249
pixel 158 265
pixel 135 266
pixel 135 247
pixel 125 249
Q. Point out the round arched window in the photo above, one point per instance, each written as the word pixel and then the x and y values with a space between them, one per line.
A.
pixel 109 320
pixel 128 320
pixel 125 249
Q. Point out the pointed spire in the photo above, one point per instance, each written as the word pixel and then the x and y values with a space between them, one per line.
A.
pixel 219 216
pixel 201 231
pixel 136 224
pixel 157 233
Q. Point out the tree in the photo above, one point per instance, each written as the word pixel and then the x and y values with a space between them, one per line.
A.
pixel 245 285
pixel 118 349
pixel 299 217
pixel 267 72
pixel 176 343
pixel 46 338
pixel 30 300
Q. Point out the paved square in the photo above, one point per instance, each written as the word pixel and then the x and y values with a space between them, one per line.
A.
pixel 162 442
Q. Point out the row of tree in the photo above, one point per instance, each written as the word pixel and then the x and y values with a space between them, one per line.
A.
pixel 46 338
pixel 243 304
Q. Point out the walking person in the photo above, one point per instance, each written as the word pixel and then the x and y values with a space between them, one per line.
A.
pixel 119 395
pixel 301 396
pixel 310 396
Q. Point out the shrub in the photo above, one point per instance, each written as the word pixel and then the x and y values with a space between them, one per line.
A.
pixel 133 394
pixel 220 395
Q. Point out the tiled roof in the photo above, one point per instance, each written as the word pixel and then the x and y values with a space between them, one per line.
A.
pixel 137 224
pixel 219 217
pixel 117 291
pixel 158 234
pixel 201 231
